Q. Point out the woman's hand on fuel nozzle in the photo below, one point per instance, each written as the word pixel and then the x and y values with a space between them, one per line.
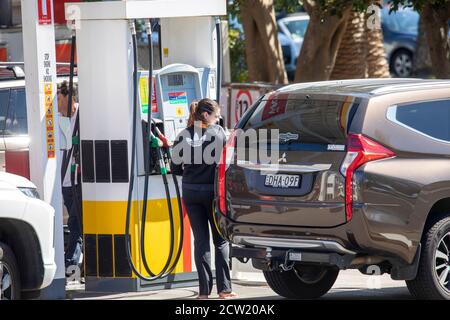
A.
pixel 166 142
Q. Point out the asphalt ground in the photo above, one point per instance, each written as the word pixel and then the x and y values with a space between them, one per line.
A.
pixel 351 284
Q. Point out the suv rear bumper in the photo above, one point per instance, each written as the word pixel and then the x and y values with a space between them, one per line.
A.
pixel 305 244
pixel 363 235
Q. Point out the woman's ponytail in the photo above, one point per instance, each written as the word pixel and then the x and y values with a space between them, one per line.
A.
pixel 197 108
pixel 192 109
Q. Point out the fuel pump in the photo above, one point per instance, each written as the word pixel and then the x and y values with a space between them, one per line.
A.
pixel 135 230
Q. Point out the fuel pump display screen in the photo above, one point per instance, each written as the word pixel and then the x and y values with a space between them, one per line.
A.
pixel 176 86
pixel 175 80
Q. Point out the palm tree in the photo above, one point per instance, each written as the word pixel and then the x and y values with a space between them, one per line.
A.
pixel 361 53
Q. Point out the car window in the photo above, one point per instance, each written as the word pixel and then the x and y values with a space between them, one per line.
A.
pixel 431 118
pixel 4 102
pixel 312 121
pixel 16 121
pixel 297 28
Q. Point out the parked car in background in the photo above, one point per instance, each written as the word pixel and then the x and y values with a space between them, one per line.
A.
pixel 362 181
pixel 14 138
pixel 291 32
pixel 400 30
pixel 27 254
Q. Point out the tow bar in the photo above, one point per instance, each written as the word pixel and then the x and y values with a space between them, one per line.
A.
pixel 273 258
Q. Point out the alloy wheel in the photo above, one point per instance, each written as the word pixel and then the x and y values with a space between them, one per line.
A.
pixel 403 64
pixel 442 262
pixel 6 288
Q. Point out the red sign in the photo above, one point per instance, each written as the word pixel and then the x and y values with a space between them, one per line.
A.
pixel 243 102
pixel 274 107
pixel 154 102
pixel 45 11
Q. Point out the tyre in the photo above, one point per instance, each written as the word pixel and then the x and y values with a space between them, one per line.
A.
pixel 433 276
pixel 31 295
pixel 9 274
pixel 401 63
pixel 302 282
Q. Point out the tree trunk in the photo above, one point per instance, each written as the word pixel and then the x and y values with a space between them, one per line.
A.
pixel 262 48
pixel 436 28
pixel 361 53
pixel 377 65
pixel 351 57
pixel 321 43
pixel 422 59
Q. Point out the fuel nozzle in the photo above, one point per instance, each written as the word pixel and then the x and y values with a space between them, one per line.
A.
pixel 155 142
pixel 166 143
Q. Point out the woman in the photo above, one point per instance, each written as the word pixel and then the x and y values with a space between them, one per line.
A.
pixel 196 153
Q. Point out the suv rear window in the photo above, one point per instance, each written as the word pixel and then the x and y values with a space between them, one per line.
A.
pixel 313 120
pixel 4 102
pixel 16 121
pixel 431 118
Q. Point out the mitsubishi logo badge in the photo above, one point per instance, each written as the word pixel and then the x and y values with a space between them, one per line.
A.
pixel 283 158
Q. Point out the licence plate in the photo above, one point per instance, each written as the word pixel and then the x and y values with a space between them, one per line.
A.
pixel 282 181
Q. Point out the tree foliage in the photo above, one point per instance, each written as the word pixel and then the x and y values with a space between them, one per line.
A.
pixel 329 8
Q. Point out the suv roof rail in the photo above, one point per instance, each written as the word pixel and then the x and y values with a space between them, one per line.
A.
pixel 19 63
pixel 17 72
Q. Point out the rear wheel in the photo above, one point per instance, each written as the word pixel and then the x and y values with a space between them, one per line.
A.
pixel 302 282
pixel 9 274
pixel 433 276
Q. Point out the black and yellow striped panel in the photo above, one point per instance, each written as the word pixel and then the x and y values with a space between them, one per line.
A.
pixel 104 225
pixel 105 255
pixel 121 265
pixel 90 255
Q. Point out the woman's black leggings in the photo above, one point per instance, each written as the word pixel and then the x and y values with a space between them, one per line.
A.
pixel 199 209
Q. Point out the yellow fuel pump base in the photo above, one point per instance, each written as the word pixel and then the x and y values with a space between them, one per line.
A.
pixel 106 265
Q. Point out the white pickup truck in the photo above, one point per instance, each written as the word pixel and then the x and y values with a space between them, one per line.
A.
pixel 27 254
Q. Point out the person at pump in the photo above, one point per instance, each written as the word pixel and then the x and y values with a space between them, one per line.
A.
pixel 195 155
pixel 71 196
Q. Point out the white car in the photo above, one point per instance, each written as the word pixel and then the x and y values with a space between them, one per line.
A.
pixel 27 254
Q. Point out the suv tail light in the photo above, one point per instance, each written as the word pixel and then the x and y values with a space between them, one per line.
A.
pixel 225 161
pixel 360 150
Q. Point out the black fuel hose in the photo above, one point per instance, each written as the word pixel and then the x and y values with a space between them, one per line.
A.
pixel 133 161
pixel 165 270
pixel 180 209
pixel 219 59
pixel 67 155
pixel 75 134
pixel 154 144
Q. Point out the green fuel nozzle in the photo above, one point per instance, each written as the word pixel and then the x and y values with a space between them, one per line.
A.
pixel 155 142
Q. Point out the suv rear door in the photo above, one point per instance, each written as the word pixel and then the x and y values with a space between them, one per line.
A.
pixel 305 186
